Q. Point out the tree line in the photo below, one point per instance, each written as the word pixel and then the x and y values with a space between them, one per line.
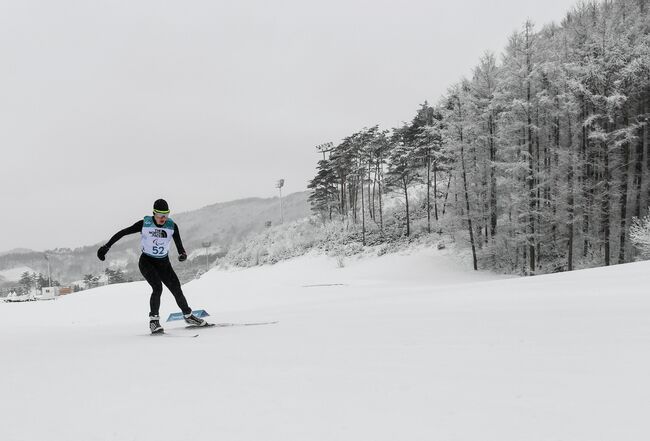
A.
pixel 540 159
pixel 34 281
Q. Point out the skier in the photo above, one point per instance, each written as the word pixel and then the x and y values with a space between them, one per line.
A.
pixel 157 232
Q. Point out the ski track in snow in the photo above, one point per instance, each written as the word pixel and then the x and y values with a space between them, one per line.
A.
pixel 398 347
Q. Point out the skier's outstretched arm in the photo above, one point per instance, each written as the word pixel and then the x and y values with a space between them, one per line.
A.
pixel 182 255
pixel 135 228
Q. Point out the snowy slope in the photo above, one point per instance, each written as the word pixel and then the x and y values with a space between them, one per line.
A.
pixel 400 347
pixel 14 274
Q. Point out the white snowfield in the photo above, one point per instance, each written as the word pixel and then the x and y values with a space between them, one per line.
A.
pixel 399 347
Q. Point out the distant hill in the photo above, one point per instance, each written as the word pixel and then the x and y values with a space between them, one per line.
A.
pixel 223 224
pixel 14 274
pixel 17 251
pixel 228 222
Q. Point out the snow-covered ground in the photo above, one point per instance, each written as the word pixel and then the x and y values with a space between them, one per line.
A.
pixel 398 347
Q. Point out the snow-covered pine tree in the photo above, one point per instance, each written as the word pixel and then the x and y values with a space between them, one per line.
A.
pixel 543 157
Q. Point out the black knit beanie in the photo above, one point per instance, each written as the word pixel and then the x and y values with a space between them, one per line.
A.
pixel 160 206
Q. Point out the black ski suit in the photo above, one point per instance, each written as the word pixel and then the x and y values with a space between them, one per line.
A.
pixel 158 270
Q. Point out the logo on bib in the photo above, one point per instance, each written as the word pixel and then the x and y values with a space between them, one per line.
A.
pixel 158 233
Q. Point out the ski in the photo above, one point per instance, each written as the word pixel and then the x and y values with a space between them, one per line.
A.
pixel 227 325
pixel 166 334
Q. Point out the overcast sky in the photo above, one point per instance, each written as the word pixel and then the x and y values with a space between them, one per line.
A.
pixel 108 105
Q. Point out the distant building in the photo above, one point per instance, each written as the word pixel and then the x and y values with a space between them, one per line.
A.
pixel 49 292
pixel 64 290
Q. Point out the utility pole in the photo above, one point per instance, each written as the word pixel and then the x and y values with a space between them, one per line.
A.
pixel 279 185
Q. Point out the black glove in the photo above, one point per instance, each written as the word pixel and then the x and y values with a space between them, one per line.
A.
pixel 101 252
pixel 182 257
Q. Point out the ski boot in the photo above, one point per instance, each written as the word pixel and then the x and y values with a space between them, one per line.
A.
pixel 154 325
pixel 193 320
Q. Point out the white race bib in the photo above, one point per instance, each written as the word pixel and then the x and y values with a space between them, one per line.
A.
pixel 156 240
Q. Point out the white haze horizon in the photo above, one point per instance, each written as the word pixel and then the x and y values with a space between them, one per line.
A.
pixel 108 106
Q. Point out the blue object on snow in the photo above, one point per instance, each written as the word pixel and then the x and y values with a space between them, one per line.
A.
pixel 200 313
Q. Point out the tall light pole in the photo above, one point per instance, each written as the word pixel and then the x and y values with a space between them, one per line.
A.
pixel 49 274
pixel 279 185
pixel 206 245
pixel 327 147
